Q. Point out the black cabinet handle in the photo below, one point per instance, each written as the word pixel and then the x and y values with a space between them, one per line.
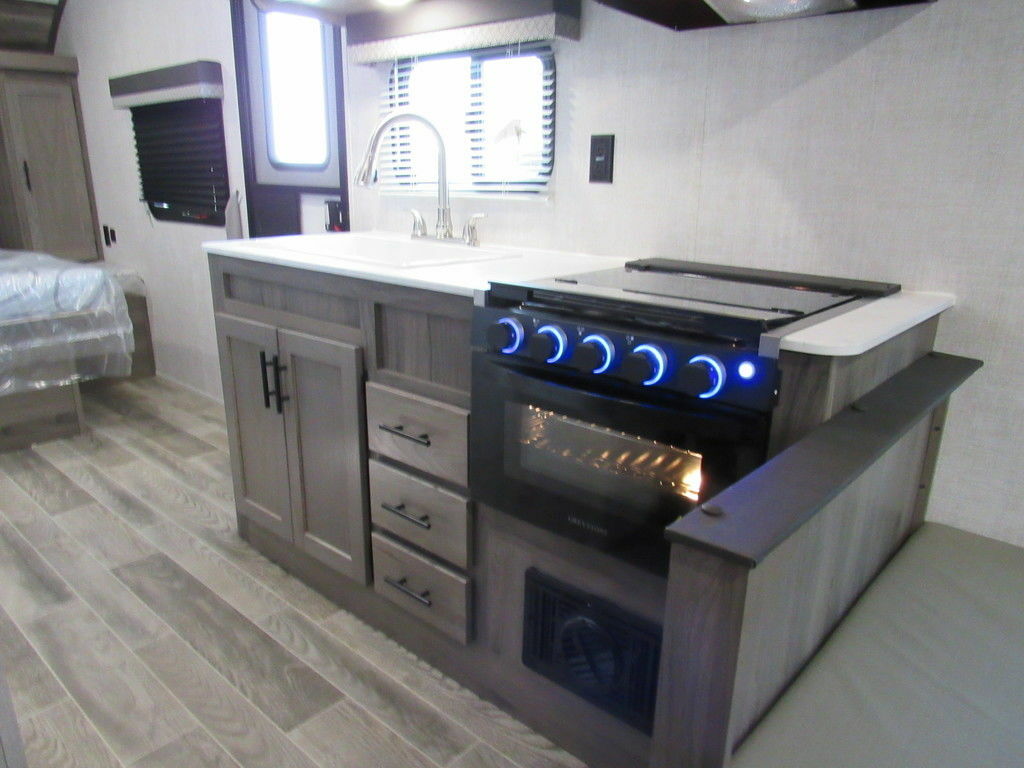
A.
pixel 264 364
pixel 399 509
pixel 28 178
pixel 278 397
pixel 420 597
pixel 399 430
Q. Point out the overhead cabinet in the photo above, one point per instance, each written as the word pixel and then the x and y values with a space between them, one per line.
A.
pixel 43 168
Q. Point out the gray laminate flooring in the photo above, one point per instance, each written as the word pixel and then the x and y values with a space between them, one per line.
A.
pixel 137 630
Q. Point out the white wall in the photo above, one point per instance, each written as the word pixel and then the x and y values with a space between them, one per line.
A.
pixel 119 37
pixel 884 145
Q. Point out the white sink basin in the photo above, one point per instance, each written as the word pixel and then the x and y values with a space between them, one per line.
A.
pixel 389 250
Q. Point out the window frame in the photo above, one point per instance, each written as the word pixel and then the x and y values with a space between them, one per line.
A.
pixel 327 176
pixel 391 101
pixel 329 86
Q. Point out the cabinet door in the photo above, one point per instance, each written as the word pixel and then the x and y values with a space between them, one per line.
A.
pixel 46 155
pixel 259 459
pixel 325 427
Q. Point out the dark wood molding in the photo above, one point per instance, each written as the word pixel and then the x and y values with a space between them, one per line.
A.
pixel 801 480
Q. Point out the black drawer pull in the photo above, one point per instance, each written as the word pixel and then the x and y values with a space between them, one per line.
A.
pixel 399 509
pixel 399 430
pixel 28 176
pixel 420 597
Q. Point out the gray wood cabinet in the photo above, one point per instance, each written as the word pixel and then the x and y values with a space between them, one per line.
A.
pixel 296 429
pixel 295 471
pixel 43 168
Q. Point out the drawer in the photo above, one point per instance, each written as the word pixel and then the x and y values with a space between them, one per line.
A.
pixel 429 517
pixel 433 593
pixel 414 430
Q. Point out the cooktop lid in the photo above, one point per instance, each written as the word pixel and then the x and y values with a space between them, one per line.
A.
pixel 763 296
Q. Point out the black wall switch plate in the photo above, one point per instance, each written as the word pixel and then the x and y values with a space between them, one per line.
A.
pixel 602 153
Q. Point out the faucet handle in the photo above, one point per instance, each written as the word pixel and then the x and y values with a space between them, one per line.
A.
pixel 469 233
pixel 419 226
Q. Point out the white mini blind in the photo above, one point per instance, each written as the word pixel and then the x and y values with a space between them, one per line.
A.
pixel 495 109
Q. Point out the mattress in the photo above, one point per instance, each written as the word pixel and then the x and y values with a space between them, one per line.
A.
pixel 927 671
pixel 59 322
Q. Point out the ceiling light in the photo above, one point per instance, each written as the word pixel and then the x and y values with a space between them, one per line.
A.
pixel 394 3
pixel 741 11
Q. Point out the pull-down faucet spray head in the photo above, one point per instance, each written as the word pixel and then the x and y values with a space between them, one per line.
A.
pixel 364 176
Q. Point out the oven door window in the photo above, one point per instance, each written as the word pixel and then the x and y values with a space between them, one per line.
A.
pixel 552 450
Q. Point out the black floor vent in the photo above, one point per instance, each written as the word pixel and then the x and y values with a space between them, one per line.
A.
pixel 593 648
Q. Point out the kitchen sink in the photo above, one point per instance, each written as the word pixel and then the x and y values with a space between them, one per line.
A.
pixel 389 249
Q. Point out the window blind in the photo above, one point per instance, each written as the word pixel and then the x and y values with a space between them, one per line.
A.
pixel 182 160
pixel 495 109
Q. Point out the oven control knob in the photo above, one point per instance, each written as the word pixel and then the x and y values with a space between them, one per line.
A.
pixel 548 345
pixel 647 364
pixel 594 354
pixel 703 376
pixel 506 335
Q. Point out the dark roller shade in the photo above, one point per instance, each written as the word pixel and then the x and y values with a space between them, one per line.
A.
pixel 182 160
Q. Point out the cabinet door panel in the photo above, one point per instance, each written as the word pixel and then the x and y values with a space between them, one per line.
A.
pixel 324 423
pixel 259 459
pixel 48 157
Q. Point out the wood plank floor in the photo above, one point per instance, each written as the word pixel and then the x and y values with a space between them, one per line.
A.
pixel 137 630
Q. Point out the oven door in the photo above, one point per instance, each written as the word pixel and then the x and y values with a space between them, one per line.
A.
pixel 604 467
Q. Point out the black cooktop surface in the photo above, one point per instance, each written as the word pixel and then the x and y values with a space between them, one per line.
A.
pixel 766 298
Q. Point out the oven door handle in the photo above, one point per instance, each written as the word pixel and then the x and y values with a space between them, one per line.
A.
pixel 540 377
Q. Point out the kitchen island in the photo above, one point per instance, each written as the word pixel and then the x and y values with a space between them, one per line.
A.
pixel 347 390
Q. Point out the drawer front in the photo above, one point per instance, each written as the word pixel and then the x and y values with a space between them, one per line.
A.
pixel 431 592
pixel 429 517
pixel 422 433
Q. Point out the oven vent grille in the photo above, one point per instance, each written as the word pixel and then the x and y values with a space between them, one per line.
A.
pixel 593 648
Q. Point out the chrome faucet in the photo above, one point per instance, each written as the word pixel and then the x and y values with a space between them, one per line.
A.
pixel 444 230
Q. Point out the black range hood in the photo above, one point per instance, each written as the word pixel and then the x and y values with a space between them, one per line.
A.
pixel 694 14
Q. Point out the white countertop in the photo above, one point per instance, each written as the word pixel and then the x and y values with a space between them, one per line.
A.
pixel 848 334
pixel 459 277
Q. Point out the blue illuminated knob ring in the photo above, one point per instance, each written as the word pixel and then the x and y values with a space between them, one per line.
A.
pixel 605 344
pixel 659 362
pixel 717 371
pixel 561 342
pixel 518 335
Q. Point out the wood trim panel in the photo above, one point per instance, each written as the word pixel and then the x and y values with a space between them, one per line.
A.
pixel 815 388
pixel 700 648
pixel 804 588
pixel 803 479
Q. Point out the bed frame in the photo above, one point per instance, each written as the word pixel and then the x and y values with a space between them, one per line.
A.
pixel 44 414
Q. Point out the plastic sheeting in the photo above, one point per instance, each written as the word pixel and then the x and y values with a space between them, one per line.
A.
pixel 59 322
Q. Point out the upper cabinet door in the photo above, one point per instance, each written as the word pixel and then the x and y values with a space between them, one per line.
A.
pixel 325 427
pixel 259 458
pixel 48 163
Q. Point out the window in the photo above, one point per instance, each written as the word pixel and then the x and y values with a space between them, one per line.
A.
pixel 495 110
pixel 182 160
pixel 296 90
pixel 293 76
